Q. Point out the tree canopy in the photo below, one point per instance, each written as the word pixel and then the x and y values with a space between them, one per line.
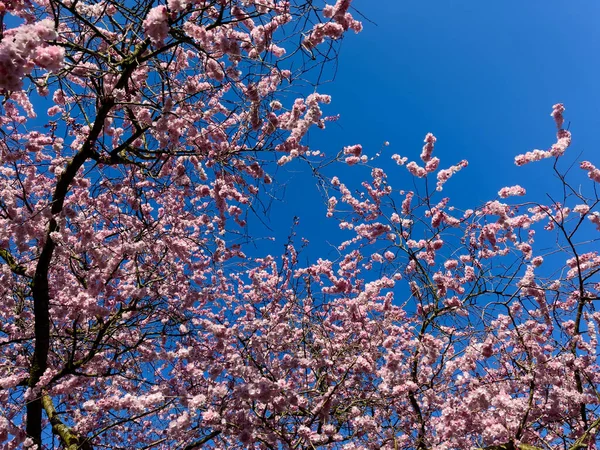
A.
pixel 137 140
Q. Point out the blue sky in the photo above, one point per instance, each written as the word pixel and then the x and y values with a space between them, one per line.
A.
pixel 481 76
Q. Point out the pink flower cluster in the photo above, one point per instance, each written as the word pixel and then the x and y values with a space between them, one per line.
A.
pixel 431 164
pixel 563 140
pixel 595 219
pixel 341 21
pixel 516 190
pixel 428 147
pixel 444 175
pixel 156 24
pixel 24 47
pixel 557 114
pixel 303 115
pixel 354 152
pixel 593 172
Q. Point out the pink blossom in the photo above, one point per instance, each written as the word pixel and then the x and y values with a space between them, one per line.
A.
pixel 406 202
pixel 321 32
pixel 432 165
pixel 156 25
pixel 389 255
pixel 399 160
pixel 24 46
pixel 593 172
pixel 416 170
pixel 377 257
pixel 526 249
pixel 354 150
pixel 451 264
pixel 563 140
pixel 595 219
pixel 516 190
pixel 557 114
pixel 331 206
pixel 581 209
pixel 50 58
pixel 177 5
pixel 341 21
pixel 444 175
pixel 428 147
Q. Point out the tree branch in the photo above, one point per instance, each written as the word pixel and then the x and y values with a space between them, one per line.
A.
pixel 69 438
pixel 14 266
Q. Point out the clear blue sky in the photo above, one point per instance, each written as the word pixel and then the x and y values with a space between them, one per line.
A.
pixel 481 76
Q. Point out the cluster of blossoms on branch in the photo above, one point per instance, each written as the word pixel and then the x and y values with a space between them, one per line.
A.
pixel 25 47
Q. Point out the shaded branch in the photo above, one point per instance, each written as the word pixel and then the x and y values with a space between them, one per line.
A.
pixel 69 438
pixel 14 266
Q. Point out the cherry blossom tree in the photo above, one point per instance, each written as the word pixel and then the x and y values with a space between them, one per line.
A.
pixel 132 134
pixel 137 139
pixel 469 332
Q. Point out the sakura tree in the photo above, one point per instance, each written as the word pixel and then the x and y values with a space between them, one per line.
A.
pixel 132 134
pixel 434 329
pixel 136 141
pixel 473 328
